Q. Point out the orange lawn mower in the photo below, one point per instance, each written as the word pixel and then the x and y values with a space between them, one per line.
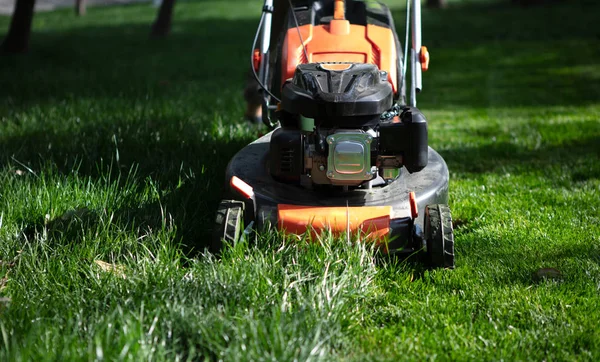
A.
pixel 347 152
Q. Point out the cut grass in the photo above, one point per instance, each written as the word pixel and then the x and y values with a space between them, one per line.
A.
pixel 113 148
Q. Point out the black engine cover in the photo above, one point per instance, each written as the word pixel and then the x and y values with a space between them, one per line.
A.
pixel 407 138
pixel 350 97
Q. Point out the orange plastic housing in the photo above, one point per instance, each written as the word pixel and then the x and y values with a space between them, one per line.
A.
pixel 372 221
pixel 340 41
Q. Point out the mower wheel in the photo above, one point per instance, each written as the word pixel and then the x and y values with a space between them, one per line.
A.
pixel 439 236
pixel 228 224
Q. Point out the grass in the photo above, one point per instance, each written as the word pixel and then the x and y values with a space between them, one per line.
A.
pixel 113 147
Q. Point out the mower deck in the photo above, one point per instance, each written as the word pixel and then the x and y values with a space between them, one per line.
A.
pixel 430 186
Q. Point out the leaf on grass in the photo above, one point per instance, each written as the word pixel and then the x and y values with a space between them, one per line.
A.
pixel 548 273
pixel 3 282
pixel 118 270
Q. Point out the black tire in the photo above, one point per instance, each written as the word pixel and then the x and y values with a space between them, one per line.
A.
pixel 228 224
pixel 439 236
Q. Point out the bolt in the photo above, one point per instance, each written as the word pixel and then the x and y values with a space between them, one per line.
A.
pixel 369 139
pixel 330 140
pixel 330 174
pixel 321 168
pixel 368 173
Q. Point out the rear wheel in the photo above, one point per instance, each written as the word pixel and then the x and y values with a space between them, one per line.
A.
pixel 228 224
pixel 439 236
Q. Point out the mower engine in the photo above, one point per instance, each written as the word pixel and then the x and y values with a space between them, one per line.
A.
pixel 339 126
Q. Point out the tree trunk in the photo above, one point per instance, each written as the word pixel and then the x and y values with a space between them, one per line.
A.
pixel 80 7
pixel 162 24
pixel 436 4
pixel 17 39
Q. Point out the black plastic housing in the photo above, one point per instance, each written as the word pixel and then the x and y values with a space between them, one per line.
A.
pixel 286 155
pixel 407 138
pixel 353 97
pixel 317 12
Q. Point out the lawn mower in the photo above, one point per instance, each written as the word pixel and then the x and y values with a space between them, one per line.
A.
pixel 347 154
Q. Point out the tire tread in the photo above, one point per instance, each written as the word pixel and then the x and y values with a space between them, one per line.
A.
pixel 439 236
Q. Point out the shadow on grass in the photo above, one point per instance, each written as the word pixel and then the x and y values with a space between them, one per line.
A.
pixel 188 182
pixel 205 57
pixel 576 154
pixel 515 266
pixel 168 108
pixel 500 55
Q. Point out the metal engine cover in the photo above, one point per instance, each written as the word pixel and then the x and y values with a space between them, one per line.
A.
pixel 349 157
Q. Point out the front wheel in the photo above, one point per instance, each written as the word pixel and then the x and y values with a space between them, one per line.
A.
pixel 439 236
pixel 228 224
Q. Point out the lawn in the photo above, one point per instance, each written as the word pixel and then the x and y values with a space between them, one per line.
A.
pixel 112 155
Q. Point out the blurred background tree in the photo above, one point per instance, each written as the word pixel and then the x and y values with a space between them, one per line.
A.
pixel 80 7
pixel 162 25
pixel 17 38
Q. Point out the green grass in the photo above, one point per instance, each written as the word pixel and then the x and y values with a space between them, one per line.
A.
pixel 113 147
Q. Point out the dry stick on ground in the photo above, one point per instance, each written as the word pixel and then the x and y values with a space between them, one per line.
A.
pixel 80 7
pixel 17 39
pixel 162 24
